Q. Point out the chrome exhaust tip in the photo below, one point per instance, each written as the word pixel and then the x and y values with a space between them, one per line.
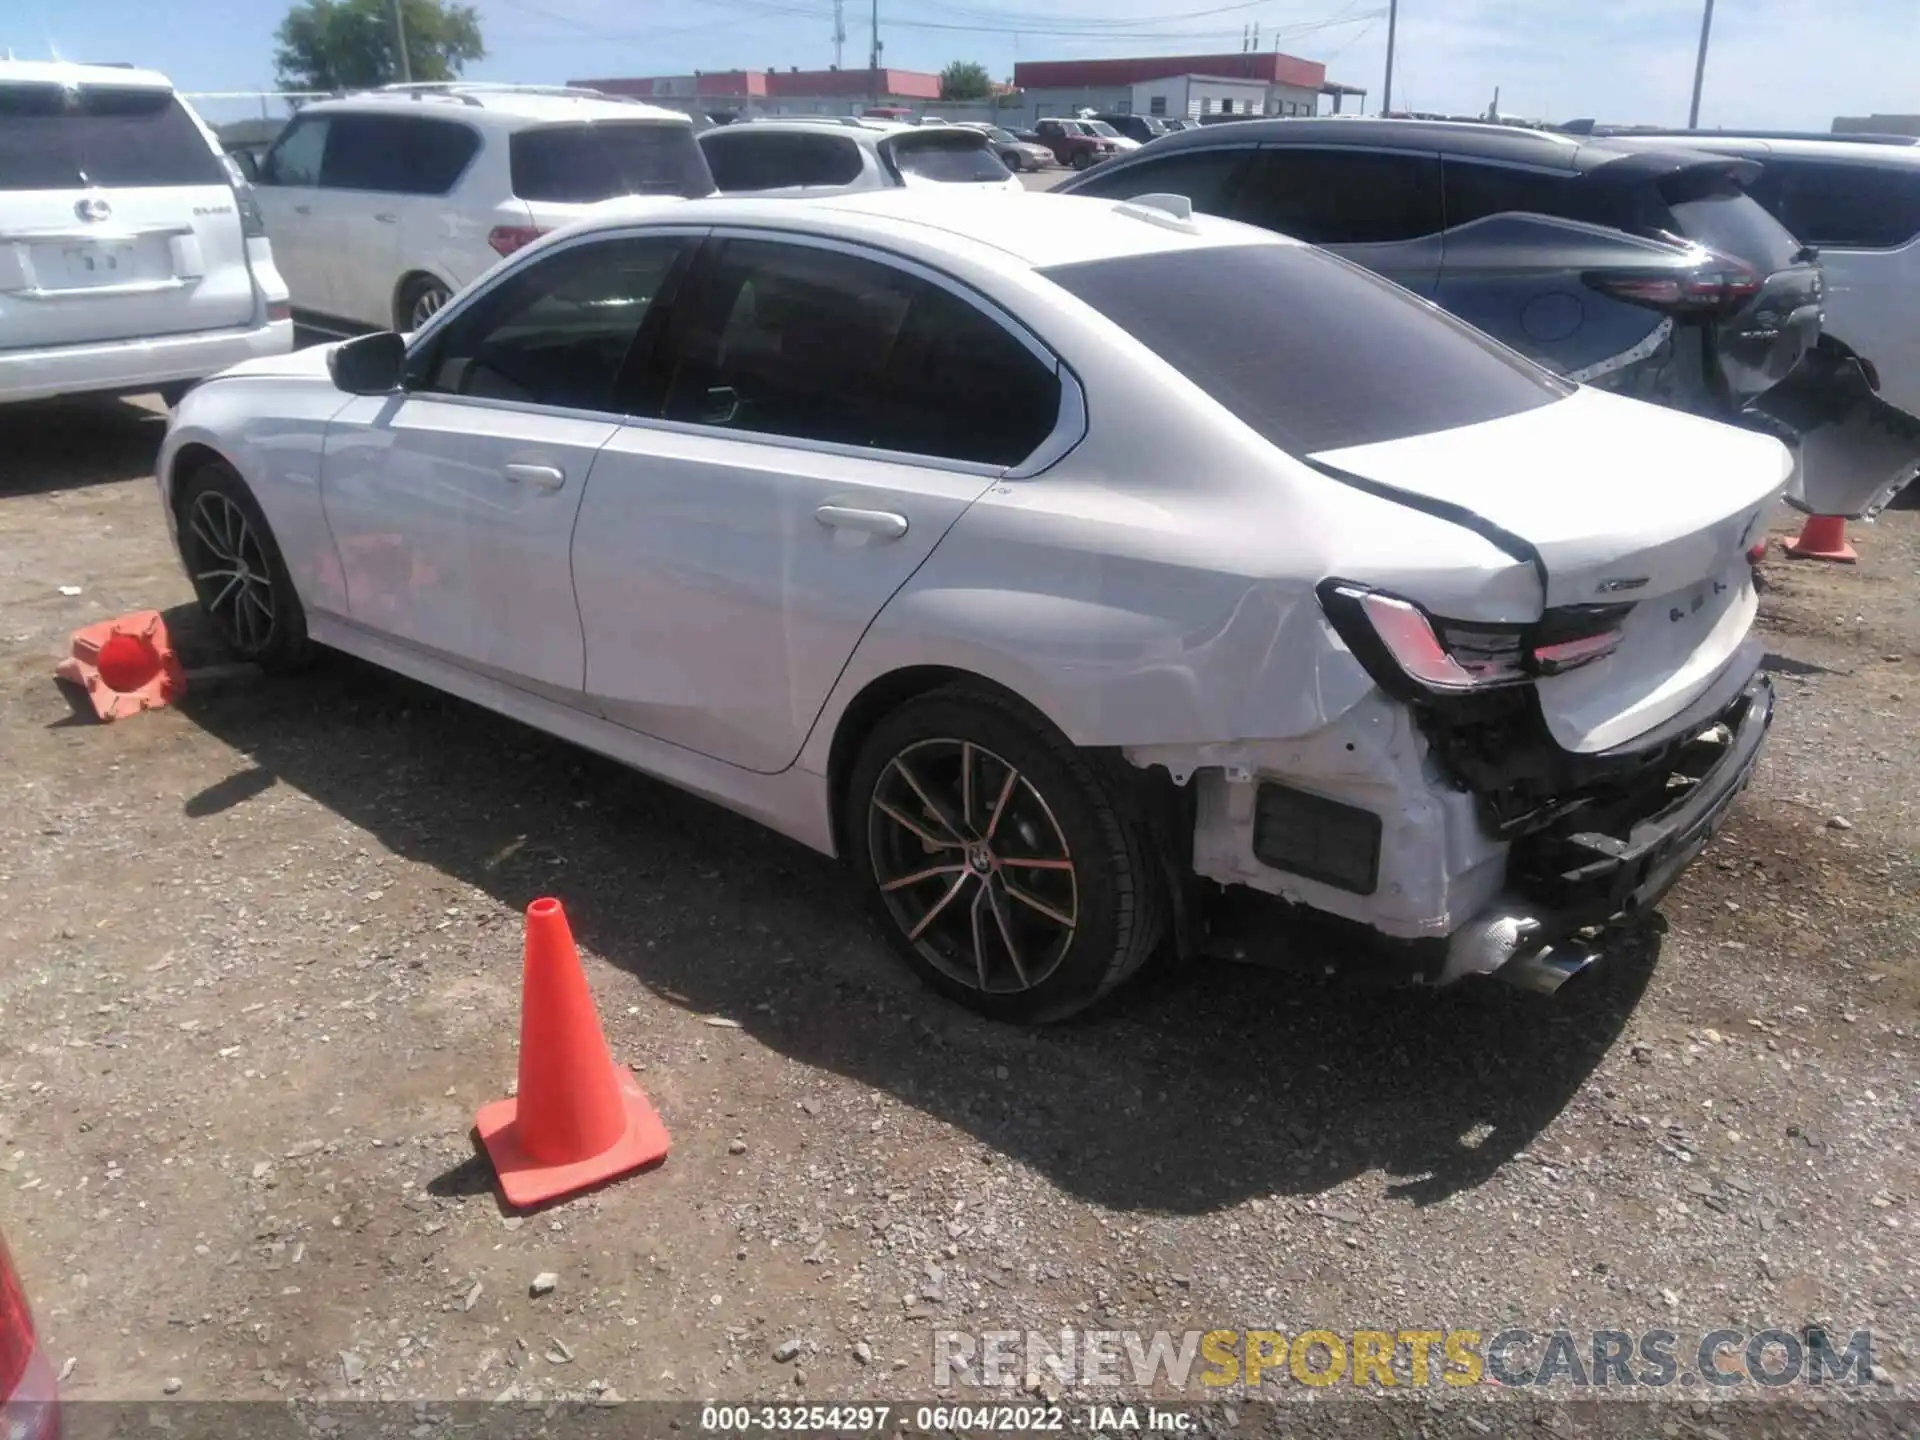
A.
pixel 1544 971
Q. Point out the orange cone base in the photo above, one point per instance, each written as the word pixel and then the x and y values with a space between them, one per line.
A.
pixel 527 1181
pixel 1823 537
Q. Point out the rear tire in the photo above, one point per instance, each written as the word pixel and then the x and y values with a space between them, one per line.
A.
pixel 1009 869
pixel 237 570
pixel 420 300
pixel 1082 160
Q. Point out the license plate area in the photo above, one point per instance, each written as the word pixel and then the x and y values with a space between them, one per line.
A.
pixel 100 264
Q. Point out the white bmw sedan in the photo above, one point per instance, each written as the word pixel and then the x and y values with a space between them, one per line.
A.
pixel 1098 579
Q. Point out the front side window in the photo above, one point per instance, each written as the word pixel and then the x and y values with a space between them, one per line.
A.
pixel 749 159
pixel 820 345
pixel 1205 177
pixel 1342 197
pixel 296 157
pixel 587 163
pixel 55 137
pixel 558 332
pixel 1308 350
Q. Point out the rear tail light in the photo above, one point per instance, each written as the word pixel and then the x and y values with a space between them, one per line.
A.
pixel 1398 641
pixel 28 1407
pixel 505 239
pixel 1719 283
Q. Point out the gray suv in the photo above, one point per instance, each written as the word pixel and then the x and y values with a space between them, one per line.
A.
pixel 1642 269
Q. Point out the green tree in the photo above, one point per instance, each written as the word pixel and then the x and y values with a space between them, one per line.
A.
pixel 965 80
pixel 348 44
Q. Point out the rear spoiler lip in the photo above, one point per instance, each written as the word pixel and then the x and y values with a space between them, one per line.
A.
pixel 1657 164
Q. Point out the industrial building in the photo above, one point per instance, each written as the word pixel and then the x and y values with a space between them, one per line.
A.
pixel 1182 86
pixel 779 92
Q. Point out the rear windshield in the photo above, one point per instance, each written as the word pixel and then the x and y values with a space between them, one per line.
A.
pixel 1714 211
pixel 121 136
pixel 582 164
pixel 1311 352
pixel 951 158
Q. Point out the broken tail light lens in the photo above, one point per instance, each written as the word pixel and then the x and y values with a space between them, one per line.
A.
pixel 505 239
pixel 1399 641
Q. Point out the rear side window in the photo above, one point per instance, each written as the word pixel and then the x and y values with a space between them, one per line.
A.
pixel 814 344
pixel 1311 352
pixel 297 155
pixel 114 136
pixel 1711 208
pixel 1205 177
pixel 954 159
pixel 396 154
pixel 1473 191
pixel 1843 207
pixel 583 164
pixel 749 159
pixel 1342 197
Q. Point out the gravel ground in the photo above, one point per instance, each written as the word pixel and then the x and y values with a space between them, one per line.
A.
pixel 263 961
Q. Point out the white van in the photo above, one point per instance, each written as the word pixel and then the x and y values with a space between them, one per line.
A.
pixel 131 255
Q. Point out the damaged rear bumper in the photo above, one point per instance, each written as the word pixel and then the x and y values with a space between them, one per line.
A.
pixel 1856 451
pixel 1568 881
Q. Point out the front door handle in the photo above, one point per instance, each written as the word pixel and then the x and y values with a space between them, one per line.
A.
pixel 540 477
pixel 387 217
pixel 881 523
pixel 303 209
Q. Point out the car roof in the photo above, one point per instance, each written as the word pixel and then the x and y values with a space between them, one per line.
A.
pixel 1024 229
pixel 63 72
pixel 867 135
pixel 1513 144
pixel 1885 152
pixel 509 107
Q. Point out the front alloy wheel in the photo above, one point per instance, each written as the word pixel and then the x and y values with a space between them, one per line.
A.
pixel 237 570
pixel 1010 870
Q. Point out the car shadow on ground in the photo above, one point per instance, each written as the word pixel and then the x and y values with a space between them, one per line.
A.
pixel 51 445
pixel 1200 1086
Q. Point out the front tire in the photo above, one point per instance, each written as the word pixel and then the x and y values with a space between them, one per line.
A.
pixel 1082 160
pixel 1008 869
pixel 237 569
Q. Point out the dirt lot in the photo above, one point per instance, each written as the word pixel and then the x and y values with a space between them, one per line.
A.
pixel 261 965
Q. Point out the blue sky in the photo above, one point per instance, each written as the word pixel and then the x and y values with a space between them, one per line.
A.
pixel 1775 63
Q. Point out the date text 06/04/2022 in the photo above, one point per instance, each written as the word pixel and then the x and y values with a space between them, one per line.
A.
pixel 840 1419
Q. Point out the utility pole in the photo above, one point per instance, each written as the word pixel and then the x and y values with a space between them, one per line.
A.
pixel 873 59
pixel 1393 21
pixel 1700 68
pixel 839 31
pixel 400 41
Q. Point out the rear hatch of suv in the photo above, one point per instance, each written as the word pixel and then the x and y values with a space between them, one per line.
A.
pixel 944 156
pixel 117 219
pixel 1759 291
pixel 558 171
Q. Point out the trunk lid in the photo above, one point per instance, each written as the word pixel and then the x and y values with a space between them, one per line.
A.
pixel 1614 501
pixel 117 220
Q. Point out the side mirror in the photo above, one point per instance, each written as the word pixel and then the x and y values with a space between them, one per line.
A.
pixel 368 364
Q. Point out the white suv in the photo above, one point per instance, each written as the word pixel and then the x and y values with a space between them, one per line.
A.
pixel 131 256
pixel 382 204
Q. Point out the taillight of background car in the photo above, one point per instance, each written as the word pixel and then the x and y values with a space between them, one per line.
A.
pixel 505 239
pixel 29 1409
pixel 1399 642
pixel 1716 285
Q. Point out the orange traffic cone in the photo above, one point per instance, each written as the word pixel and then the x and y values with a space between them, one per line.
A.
pixel 576 1120
pixel 1823 537
pixel 125 665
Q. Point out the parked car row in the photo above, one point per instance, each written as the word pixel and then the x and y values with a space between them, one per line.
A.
pixel 1647 265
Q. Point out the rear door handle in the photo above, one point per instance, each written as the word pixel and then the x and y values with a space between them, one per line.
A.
pixel 387 217
pixel 881 523
pixel 303 209
pixel 540 477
